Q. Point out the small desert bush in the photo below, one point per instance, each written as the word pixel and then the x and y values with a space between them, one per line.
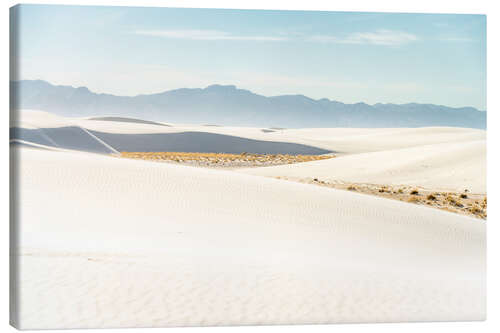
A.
pixel 463 196
pixel 414 192
pixel 476 210
pixel 400 191
pixel 351 188
pixel 413 200
pixel 453 201
pixel 431 197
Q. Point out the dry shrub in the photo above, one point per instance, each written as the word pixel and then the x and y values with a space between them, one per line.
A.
pixel 413 200
pixel 414 192
pixel 476 210
pixel 463 196
pixel 453 201
pixel 351 188
pixel 431 197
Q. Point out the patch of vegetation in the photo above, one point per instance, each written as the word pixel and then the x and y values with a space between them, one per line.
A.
pixel 224 158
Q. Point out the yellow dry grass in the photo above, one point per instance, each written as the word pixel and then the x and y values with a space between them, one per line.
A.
pixel 224 158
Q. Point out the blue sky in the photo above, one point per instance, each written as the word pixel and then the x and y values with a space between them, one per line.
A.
pixel 349 57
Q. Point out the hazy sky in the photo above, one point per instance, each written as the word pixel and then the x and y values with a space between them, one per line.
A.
pixel 349 57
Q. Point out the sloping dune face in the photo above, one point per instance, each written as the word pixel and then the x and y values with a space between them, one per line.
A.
pixel 203 142
pixel 71 137
pixel 213 247
pixel 445 166
pixel 132 135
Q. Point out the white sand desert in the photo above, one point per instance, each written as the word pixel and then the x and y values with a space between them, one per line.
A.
pixel 112 242
pixel 452 166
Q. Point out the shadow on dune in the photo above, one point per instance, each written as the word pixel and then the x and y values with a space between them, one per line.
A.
pixel 76 138
pixel 71 137
pixel 202 142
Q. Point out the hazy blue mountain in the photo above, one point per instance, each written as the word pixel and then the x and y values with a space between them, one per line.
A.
pixel 228 105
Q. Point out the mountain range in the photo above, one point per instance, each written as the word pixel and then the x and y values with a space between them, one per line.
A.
pixel 228 105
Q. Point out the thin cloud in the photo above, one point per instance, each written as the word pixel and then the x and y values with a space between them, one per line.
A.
pixel 378 37
pixel 457 39
pixel 205 35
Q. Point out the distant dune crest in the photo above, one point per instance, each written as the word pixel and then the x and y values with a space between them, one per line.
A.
pixel 128 120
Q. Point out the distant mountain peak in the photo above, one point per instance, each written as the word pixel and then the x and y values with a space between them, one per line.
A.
pixel 229 105
pixel 221 87
pixel 83 89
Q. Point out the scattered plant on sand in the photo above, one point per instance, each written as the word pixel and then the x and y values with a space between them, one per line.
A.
pixel 476 210
pixel 453 201
pixel 431 197
pixel 413 200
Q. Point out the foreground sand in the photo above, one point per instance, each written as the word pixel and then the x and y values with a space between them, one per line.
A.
pixel 109 242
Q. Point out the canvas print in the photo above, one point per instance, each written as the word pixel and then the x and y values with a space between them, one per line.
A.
pixel 204 167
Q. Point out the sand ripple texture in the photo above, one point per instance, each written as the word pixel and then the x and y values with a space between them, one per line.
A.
pixel 107 242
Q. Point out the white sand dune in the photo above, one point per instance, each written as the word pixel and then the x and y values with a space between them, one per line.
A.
pixel 445 166
pixel 360 140
pixel 109 242
pixel 127 120
pixel 343 140
pixel 108 136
